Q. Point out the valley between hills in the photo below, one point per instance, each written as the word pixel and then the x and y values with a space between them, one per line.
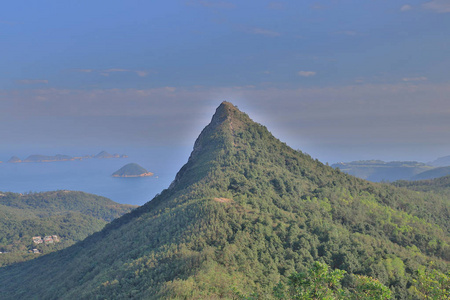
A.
pixel 247 217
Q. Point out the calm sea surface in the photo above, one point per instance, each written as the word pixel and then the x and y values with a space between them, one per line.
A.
pixel 94 175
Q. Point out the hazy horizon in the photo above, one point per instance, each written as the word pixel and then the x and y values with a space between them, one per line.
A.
pixel 341 81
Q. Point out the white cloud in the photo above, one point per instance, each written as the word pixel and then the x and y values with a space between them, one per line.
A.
pixel 439 6
pixel 421 78
pixel 32 81
pixel 406 7
pixel 307 73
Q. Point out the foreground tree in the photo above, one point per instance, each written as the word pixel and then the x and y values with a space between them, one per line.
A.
pixel 432 284
pixel 320 282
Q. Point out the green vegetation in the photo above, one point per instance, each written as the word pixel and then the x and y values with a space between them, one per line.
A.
pixel 321 283
pixel 131 170
pixel 247 215
pixel 440 186
pixel 432 284
pixel 70 215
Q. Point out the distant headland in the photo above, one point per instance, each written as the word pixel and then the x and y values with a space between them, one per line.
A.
pixel 61 157
pixel 132 170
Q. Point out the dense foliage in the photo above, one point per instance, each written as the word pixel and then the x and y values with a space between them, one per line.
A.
pixel 242 216
pixel 438 187
pixel 72 216
pixel 320 282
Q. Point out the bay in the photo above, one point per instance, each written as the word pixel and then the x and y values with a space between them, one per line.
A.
pixel 94 175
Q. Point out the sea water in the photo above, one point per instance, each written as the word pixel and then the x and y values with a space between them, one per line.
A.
pixel 94 175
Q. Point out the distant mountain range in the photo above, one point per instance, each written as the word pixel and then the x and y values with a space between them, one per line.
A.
pixel 433 173
pixel 377 170
pixel 61 157
pixel 441 162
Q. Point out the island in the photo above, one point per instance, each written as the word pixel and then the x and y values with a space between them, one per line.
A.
pixel 14 159
pixel 104 154
pixel 60 157
pixel 132 170
pixel 47 158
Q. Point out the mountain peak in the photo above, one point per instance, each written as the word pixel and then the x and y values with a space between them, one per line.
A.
pixel 217 136
pixel 225 111
pixel 244 213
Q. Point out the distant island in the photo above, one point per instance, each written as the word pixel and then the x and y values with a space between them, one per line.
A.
pixel 132 170
pixel 105 154
pixel 61 157
pixel 377 170
pixel 14 159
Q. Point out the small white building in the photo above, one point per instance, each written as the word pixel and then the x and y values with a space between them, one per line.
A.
pixel 37 240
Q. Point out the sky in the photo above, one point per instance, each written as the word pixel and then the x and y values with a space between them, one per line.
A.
pixel 340 80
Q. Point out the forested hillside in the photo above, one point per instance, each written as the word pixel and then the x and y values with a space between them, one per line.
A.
pixel 439 185
pixel 243 216
pixel 71 216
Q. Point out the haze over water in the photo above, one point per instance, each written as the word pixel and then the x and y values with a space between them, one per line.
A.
pixel 94 175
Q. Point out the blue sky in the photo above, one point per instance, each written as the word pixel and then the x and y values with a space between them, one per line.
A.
pixel 341 80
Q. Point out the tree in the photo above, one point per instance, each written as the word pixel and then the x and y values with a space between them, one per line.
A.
pixel 370 288
pixel 432 284
pixel 321 283
pixel 317 283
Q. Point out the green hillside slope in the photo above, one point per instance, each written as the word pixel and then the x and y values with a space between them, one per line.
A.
pixel 439 185
pixel 243 214
pixel 71 216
